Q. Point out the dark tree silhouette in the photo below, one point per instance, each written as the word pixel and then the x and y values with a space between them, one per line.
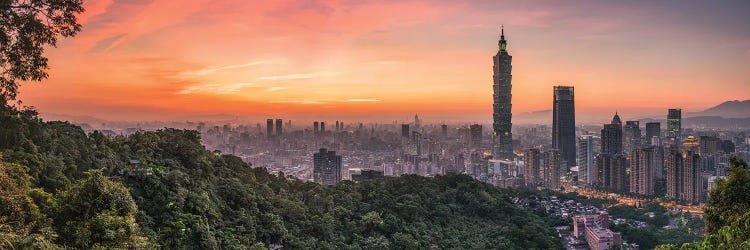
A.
pixel 26 27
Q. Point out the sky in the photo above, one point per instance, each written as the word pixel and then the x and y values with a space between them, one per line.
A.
pixel 388 60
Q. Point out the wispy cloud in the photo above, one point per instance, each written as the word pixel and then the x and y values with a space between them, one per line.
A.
pixel 307 102
pixel 299 76
pixel 276 88
pixel 215 88
pixel 212 70
pixel 361 100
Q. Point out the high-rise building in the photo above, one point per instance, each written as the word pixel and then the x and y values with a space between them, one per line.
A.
pixel 532 167
pixel 673 172
pixel 709 145
pixel 691 144
pixel 585 160
pixel 653 129
pixel 564 123
pixel 337 126
pixel 475 134
pixel 612 137
pixel 316 128
pixel 405 130
pixel 416 122
pixel 610 172
pixel 674 124
pixel 326 167
pixel 631 135
pixel 269 128
pixel 643 168
pixel 691 177
pixel 552 166
pixel 501 107
pixel 279 126
pixel 322 127
pixel 444 131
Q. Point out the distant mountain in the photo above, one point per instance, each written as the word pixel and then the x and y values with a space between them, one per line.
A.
pixel 729 109
pixel 533 117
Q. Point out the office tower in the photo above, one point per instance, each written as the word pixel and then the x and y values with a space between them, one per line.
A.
pixel 269 128
pixel 691 179
pixel 612 137
pixel 585 159
pixel 653 129
pixel 501 107
pixel 337 126
pixel 458 164
pixel 610 172
pixel 341 126
pixel 691 144
pixel 643 169
pixel 709 145
pixel 405 130
pixel 326 167
pixel 673 171
pixel 444 131
pixel 532 167
pixel 564 123
pixel 674 124
pixel 279 126
pixel 631 135
pixel 316 128
pixel 475 135
pixel 322 127
pixel 552 169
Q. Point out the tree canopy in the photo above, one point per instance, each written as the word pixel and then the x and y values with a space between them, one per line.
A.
pixel 70 189
pixel 26 27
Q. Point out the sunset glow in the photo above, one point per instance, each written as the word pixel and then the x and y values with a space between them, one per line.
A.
pixel 172 59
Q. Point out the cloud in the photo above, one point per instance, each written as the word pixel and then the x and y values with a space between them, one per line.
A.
pixel 215 88
pixel 299 76
pixel 276 88
pixel 307 102
pixel 212 70
pixel 361 100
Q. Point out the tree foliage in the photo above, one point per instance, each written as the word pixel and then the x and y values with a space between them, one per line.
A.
pixel 182 196
pixel 26 27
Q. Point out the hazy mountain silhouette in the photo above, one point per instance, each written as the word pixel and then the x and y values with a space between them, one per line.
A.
pixel 728 109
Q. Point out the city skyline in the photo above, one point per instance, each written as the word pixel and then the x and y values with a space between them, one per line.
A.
pixel 314 63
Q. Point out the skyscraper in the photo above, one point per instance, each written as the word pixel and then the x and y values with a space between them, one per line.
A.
pixel 444 131
pixel 653 129
pixel 416 122
pixel 269 128
pixel 326 167
pixel 502 137
pixel 631 135
pixel 552 169
pixel 532 167
pixel 691 180
pixel 612 137
pixel 585 159
pixel 279 126
pixel 610 172
pixel 673 171
pixel 674 124
pixel 316 129
pixel 322 127
pixel 475 135
pixel 564 124
pixel 405 130
pixel 643 170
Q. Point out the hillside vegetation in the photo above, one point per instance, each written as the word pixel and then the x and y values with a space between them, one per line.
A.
pixel 62 188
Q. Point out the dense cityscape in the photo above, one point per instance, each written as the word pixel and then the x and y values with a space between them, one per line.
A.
pixel 659 161
pixel 374 125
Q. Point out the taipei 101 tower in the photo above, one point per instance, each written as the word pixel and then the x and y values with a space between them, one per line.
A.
pixel 502 137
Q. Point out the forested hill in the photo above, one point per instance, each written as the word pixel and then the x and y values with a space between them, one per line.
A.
pixel 61 188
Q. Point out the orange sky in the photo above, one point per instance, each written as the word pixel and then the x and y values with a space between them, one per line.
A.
pixel 171 59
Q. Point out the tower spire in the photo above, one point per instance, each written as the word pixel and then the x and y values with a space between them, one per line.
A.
pixel 502 44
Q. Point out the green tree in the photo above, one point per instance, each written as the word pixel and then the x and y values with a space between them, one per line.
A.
pixel 98 213
pixel 26 27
